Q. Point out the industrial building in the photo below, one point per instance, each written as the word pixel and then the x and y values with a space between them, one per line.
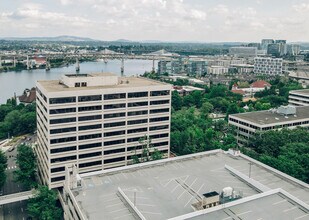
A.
pixel 268 66
pixel 299 97
pixel 96 121
pixel 209 185
pixel 249 123
pixel 243 51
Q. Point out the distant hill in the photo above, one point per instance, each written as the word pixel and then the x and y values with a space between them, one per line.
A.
pixel 58 38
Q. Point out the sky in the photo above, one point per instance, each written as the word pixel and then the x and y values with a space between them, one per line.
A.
pixel 164 20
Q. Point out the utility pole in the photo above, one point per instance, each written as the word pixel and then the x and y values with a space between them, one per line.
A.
pixel 28 64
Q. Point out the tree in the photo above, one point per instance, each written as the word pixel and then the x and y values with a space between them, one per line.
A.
pixel 156 155
pixel 176 101
pixel 27 166
pixel 43 206
pixel 206 108
pixel 3 165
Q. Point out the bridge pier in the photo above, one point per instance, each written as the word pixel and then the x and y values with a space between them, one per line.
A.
pixel 28 64
pixel 0 62
pixel 14 62
pixel 153 65
pixel 122 67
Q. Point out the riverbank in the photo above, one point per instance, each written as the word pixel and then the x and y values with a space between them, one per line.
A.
pixel 16 81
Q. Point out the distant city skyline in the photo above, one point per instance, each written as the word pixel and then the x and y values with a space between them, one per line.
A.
pixel 162 20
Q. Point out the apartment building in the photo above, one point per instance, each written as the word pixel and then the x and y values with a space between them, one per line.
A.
pixel 268 66
pixel 247 124
pixel 96 121
pixel 299 97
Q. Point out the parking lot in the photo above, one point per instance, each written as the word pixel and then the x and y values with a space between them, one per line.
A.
pixel 157 191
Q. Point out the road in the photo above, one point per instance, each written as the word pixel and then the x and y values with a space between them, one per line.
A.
pixel 15 210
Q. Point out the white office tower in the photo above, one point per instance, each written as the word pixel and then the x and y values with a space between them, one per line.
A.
pixel 268 66
pixel 96 121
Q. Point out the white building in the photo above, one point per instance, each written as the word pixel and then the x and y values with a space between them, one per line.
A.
pixel 217 70
pixel 268 65
pixel 96 121
pixel 243 51
pixel 247 124
pixel 299 97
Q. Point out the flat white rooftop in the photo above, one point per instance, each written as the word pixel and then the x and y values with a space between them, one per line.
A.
pixel 96 81
pixel 160 189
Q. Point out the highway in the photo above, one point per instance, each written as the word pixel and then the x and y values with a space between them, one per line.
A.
pixel 16 210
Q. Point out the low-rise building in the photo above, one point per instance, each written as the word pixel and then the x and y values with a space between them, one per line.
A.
pixel 255 87
pixel 243 68
pixel 299 97
pixel 243 51
pixel 209 185
pixel 186 90
pixel 247 124
pixel 217 70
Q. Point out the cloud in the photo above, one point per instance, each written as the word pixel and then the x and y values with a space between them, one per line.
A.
pixel 220 9
pixel 303 8
pixel 197 20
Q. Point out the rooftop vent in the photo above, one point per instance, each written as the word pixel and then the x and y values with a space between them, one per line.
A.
pixel 287 110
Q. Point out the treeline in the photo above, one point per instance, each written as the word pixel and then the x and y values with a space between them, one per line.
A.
pixel 222 100
pixel 286 150
pixel 16 119
pixel 192 128
pixel 193 131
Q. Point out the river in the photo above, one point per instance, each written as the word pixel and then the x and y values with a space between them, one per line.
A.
pixel 15 82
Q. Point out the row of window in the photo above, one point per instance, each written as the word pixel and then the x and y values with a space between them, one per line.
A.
pixel 98 117
pixel 106 134
pixel 95 154
pixel 106 143
pixel 90 98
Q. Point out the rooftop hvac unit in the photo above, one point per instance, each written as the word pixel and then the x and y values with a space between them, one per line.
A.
pixel 287 110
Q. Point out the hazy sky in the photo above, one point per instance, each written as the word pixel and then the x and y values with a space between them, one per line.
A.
pixel 168 20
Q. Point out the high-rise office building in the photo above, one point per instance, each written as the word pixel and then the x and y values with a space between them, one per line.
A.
pixel 293 49
pixel 265 42
pixel 273 49
pixel 96 121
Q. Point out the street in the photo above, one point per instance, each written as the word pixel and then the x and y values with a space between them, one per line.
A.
pixel 15 210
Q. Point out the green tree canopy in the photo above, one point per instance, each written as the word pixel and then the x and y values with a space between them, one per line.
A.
pixel 27 166
pixel 43 206
pixel 3 165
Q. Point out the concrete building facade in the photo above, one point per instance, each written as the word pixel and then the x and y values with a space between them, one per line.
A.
pixel 243 51
pixel 268 65
pixel 96 122
pixel 247 124
pixel 299 97
pixel 217 70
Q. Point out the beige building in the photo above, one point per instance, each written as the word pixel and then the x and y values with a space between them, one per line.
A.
pixel 247 124
pixel 96 121
pixel 299 97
